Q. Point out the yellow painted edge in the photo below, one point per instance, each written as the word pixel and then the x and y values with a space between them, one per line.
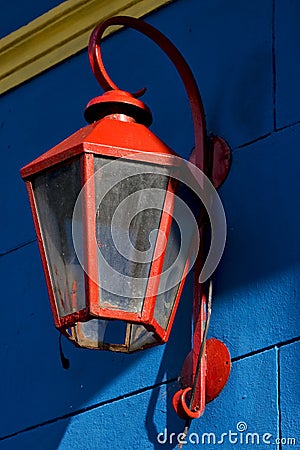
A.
pixel 58 34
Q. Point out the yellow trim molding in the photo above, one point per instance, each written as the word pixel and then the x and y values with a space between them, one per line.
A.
pixel 58 34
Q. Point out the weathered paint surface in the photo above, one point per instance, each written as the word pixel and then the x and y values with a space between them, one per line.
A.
pixel 244 56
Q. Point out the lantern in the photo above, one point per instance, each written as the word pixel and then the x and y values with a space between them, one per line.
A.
pixel 83 308
pixel 103 204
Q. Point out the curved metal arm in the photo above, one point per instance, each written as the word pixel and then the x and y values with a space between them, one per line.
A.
pixel 201 160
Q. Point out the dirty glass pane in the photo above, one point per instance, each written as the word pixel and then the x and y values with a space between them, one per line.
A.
pixel 177 253
pixel 140 337
pixel 165 300
pixel 129 201
pixel 90 333
pixel 55 195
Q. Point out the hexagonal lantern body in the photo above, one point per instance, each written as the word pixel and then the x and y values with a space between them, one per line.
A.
pixel 100 297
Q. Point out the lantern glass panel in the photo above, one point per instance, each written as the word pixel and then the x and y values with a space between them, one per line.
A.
pixel 93 331
pixel 166 298
pixel 139 337
pixel 55 194
pixel 177 253
pixel 128 214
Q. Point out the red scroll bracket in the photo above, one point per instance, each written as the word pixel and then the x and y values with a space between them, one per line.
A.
pixel 206 368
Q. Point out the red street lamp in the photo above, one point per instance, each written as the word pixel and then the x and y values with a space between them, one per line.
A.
pixel 105 204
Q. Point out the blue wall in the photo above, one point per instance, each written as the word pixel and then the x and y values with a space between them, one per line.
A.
pixel 16 14
pixel 245 56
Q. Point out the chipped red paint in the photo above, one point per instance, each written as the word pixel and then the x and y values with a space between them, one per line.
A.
pixel 218 368
pixel 89 231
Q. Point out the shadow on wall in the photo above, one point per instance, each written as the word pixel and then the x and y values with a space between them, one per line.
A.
pixel 181 331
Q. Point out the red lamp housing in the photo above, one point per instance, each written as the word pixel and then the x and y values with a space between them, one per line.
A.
pixel 83 309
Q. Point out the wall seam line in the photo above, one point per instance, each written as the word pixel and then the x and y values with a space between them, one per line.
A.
pixel 89 408
pixel 267 135
pixel 253 141
pixel 285 127
pixel 264 349
pixel 18 247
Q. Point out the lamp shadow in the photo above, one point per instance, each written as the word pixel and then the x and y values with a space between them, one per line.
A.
pixel 179 344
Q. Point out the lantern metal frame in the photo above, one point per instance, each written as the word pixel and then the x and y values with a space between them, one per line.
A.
pixel 102 139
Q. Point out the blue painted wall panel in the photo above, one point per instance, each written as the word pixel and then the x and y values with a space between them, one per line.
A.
pixel 257 287
pixel 287 42
pixel 147 421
